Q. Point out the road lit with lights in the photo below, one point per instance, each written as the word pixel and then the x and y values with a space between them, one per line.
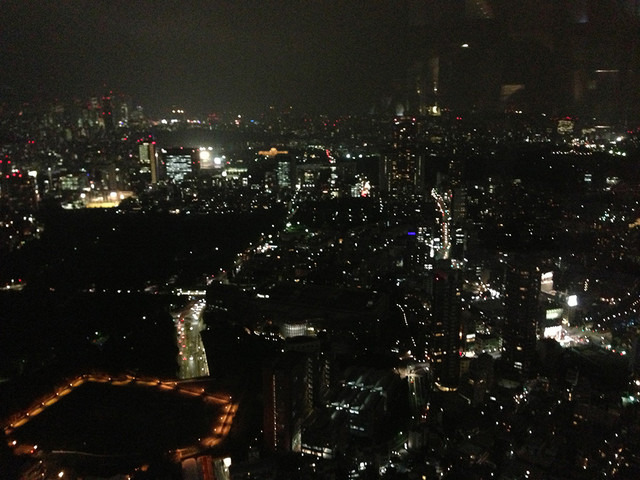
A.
pixel 192 358
pixel 218 430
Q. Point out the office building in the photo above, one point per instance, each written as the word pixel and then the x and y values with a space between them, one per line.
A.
pixel 285 402
pixel 148 159
pixel 285 171
pixel 179 163
pixel 402 166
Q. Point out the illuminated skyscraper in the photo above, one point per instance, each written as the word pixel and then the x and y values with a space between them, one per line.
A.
pixel 402 169
pixel 178 163
pixel 522 287
pixel 148 159
pixel 285 171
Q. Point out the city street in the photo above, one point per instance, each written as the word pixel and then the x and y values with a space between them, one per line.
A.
pixel 191 357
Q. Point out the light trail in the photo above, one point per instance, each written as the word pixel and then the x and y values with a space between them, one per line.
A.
pixel 192 358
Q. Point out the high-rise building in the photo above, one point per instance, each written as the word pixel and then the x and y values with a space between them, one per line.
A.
pixel 402 169
pixel 107 113
pixel 284 386
pixel 522 287
pixel 420 249
pixel 445 343
pixel 178 163
pixel 285 171
pixel 20 188
pixel 148 159
pixel 318 369
pixel 124 114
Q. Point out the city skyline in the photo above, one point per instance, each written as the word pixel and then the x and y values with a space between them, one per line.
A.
pixel 337 241
pixel 368 259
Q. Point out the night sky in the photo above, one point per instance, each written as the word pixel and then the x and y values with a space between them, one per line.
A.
pixel 204 55
pixel 318 56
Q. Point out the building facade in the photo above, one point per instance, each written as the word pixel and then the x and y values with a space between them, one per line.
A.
pixel 522 312
pixel 445 343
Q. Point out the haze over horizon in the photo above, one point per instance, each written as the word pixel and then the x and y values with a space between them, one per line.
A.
pixel 320 57
pixel 206 56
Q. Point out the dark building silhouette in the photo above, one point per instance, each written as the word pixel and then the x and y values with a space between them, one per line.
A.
pixel 317 365
pixel 285 401
pixel 444 348
pixel 107 114
pixel 522 288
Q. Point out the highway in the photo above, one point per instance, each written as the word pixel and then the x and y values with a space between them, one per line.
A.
pixel 191 357
pixel 193 364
